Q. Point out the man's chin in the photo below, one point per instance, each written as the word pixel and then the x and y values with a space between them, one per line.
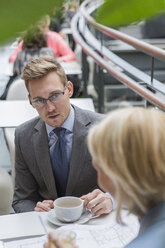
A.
pixel 54 122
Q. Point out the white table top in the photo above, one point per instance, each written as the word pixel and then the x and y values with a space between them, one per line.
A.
pixel 97 221
pixel 30 224
pixel 13 113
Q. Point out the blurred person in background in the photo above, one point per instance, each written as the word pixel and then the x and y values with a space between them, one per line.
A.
pixel 34 45
pixel 56 19
pixel 67 18
pixel 61 49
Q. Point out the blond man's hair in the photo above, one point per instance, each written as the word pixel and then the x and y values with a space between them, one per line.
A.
pixel 41 67
pixel 129 147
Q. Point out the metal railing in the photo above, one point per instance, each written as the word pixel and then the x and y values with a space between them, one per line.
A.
pixel 95 48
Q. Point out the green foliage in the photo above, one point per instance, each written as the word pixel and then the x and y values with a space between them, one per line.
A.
pixel 116 13
pixel 17 15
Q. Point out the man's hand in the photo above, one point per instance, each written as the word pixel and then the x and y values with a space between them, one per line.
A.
pixel 44 206
pixel 98 202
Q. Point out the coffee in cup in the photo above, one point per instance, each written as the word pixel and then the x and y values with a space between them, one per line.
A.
pixel 68 208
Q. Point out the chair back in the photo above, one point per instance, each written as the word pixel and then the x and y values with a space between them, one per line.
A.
pixel 6 192
pixel 17 91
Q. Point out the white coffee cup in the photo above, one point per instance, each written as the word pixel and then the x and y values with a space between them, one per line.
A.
pixel 68 208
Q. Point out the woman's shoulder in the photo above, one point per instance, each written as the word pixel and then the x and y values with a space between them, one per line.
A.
pixel 53 35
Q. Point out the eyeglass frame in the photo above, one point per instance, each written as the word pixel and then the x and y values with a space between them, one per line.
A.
pixel 54 97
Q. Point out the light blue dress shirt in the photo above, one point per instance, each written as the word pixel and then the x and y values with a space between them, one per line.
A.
pixel 68 125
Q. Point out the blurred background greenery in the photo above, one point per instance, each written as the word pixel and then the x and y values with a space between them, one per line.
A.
pixel 117 13
pixel 16 16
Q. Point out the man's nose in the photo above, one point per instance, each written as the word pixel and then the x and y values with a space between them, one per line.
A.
pixel 50 106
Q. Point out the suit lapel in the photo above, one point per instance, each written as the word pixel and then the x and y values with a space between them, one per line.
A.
pixel 41 148
pixel 79 150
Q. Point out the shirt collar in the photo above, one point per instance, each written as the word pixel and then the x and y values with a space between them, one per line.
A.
pixel 68 123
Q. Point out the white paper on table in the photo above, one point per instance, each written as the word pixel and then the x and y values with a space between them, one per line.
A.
pixel 112 235
pixel 20 225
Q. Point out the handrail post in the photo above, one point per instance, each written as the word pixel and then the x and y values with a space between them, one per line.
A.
pixel 85 73
pixel 152 70
pixel 101 41
pixel 100 90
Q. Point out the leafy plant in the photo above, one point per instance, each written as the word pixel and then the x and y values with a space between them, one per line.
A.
pixel 17 15
pixel 116 13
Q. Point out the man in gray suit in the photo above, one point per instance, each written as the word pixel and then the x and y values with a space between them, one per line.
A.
pixel 38 181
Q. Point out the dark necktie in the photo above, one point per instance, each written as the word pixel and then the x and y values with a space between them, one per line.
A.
pixel 60 162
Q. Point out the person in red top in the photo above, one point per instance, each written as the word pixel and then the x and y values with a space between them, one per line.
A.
pixel 59 46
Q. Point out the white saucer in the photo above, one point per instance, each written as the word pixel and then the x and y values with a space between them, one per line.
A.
pixel 83 219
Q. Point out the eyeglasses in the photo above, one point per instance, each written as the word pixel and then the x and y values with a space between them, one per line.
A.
pixel 53 99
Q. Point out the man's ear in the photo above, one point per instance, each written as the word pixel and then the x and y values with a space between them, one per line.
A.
pixel 29 99
pixel 70 88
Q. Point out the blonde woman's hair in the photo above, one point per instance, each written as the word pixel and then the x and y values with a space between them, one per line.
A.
pixel 129 147
pixel 40 67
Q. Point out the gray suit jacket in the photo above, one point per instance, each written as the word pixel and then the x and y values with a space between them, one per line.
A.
pixel 34 179
pixel 152 229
